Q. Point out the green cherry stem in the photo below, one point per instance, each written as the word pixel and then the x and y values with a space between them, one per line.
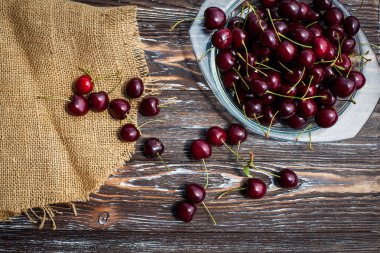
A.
pixel 206 172
pixel 237 96
pixel 237 72
pixel 308 86
pixel 209 213
pixel 303 73
pixel 237 152
pixel 229 191
pixel 246 61
pixel 151 121
pixel 295 42
pixel 274 27
pixel 270 125
pixel 300 98
pixel 311 24
pixel 258 122
pixel 266 172
pixel 163 162
pixel 181 21
pixel 286 68
pixel 309 126
pixel 204 54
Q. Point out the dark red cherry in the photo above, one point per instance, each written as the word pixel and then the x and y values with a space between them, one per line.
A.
pixel 153 147
pixel 326 117
pixel 307 91
pixel 78 105
pixel 343 87
pixel 335 34
pixel 317 72
pixel 225 60
pixel 185 211
pixel 289 9
pixel 260 51
pixel 200 149
pixel 296 75
pixel 235 22
pixel 134 88
pixel 303 13
pixel 222 38
pixel 274 81
pixel 269 39
pixel 286 51
pixel 215 18
pixel 294 26
pixel 268 3
pixel 267 116
pixel 306 58
pixel 297 122
pixel 259 87
pixel 216 136
pixel 331 53
pixel 333 16
pixel 321 46
pixel 149 106
pixel 281 26
pixel 268 99
pixel 119 108
pixel 329 73
pixel 313 16
pixel 307 108
pixel 288 90
pixel 256 188
pixel 195 193
pixel 129 133
pixel 230 79
pixel 286 108
pixel 328 99
pixel 239 38
pixel 83 85
pixel 253 107
pixel 358 78
pixel 287 179
pixel 344 62
pixel 322 5
pixel 316 30
pixel 303 36
pixel 250 59
pixel 348 45
pixel 98 101
pixel 236 134
pixel 255 26
pixel 351 25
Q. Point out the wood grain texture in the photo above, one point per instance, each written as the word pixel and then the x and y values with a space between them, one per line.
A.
pixel 335 208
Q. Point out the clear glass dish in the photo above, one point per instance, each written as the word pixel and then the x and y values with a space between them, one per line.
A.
pixel 352 116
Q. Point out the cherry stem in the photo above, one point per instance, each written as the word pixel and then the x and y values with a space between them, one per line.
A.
pixel 246 54
pixel 148 122
pixel 303 73
pixel 361 5
pixel 310 144
pixel 118 84
pixel 230 149
pixel 85 71
pixel 162 160
pixel 129 117
pixel 296 139
pixel 268 67
pixel 229 191
pixel 237 96
pixel 295 42
pixel 286 68
pixel 274 27
pixel 206 172
pixel 181 21
pixel 237 152
pixel 351 100
pixel 258 122
pixel 311 24
pixel 53 98
pixel 204 54
pixel 246 61
pixel 270 125
pixel 285 96
pixel 308 86
pixel 266 172
pixel 252 8
pixel 209 213
pixel 237 72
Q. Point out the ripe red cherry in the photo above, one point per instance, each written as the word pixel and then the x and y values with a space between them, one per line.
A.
pixel 316 30
pixel 200 149
pixel 119 108
pixel 222 38
pixel 287 109
pixel 239 38
pixel 225 60
pixel 256 188
pixel 351 25
pixel 302 36
pixel 215 18
pixel 83 85
pixel 358 78
pixel 297 122
pixel 98 101
pixel 326 117
pixel 260 51
pixel 268 100
pixel 256 25
pixel 287 179
pixel 328 99
pixel 303 13
pixel 230 79
pixel 286 51
pixel 274 81
pixel 235 22
pixel 288 90
pixel 294 76
pixel 216 136
pixel 268 116
pixel 307 108
pixel 289 9
pixel 306 58
pixel 252 107
pixel 78 106
pixel 195 193
pixel 343 87
pixel 281 26
pixel 153 147
pixel 269 39
pixel 268 3
pixel 335 33
pixel 348 45
pixel 149 106
pixel 322 5
pixel 329 74
pixel 313 16
pixel 345 62
pixel 321 46
pixel 318 74
pixel 331 54
pixel 236 134
pixel 309 90
pixel 185 211
pixel 129 133
pixel 134 88
pixel 333 16
pixel 259 87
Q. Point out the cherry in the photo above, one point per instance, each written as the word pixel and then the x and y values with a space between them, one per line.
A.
pixel 351 25
pixel 322 5
pixel 153 147
pixel 335 33
pixel 129 133
pixel 150 106
pixel 358 78
pixel 287 179
pixel 306 58
pixel 303 13
pixel 326 117
pixel 195 193
pixel 317 73
pixel 222 38
pixel 134 88
pixel 225 60
pixel 78 105
pixel 185 211
pixel 281 26
pixel 302 35
pixel 256 25
pixel 253 107
pixel 83 85
pixel 216 136
pixel 215 18
pixel 343 87
pixel 259 87
pixel 307 91
pixel 294 76
pixel 286 51
pixel 269 39
pixel 98 101
pixel 200 149
pixel 236 134
pixel 274 81
pixel 268 3
pixel 313 16
pixel 239 38
pixel 230 79
pixel 260 51
pixel 328 99
pixel 294 26
pixel 268 117
pixel 250 60
pixel 344 62
pixel 268 99
pixel 316 30
pixel 287 109
pixel 348 45
pixel 297 122
pixel 119 108
pixel 329 74
pixel 235 22
pixel 307 108
pixel 289 9
pixel 288 90
pixel 321 46
pixel 331 54
pixel 333 16
pixel 256 188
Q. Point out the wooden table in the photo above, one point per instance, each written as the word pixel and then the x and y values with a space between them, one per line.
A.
pixel 335 208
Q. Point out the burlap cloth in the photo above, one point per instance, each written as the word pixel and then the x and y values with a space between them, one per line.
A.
pixel 46 155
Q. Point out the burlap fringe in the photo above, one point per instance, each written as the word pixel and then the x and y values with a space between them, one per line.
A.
pixel 48 213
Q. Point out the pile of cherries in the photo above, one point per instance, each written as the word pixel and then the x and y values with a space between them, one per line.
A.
pixel 287 60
